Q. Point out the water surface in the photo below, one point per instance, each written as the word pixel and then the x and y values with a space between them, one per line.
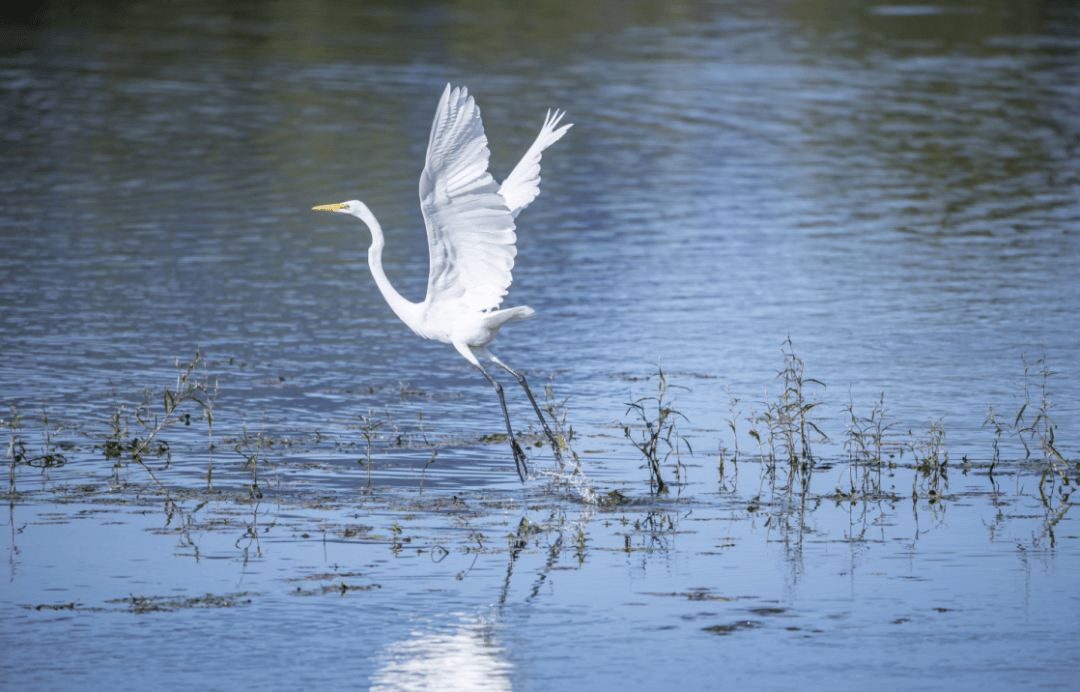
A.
pixel 892 186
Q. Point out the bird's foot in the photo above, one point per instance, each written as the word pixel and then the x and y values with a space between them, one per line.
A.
pixel 520 460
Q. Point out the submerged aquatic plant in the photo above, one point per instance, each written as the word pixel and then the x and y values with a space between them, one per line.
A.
pixel 207 403
pixel 991 420
pixel 931 460
pixel 48 455
pixel 251 449
pixel 787 424
pixel 16 449
pixel 870 447
pixel 658 424
pixel 368 430
pixel 556 410
pixel 188 389
pixel 564 434
pixel 1041 428
pixel 431 448
pixel 732 423
pixel 794 411
pixel 789 419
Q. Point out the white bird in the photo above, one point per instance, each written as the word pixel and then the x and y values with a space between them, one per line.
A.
pixel 470 229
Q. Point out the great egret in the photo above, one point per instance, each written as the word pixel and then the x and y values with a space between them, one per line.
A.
pixel 470 229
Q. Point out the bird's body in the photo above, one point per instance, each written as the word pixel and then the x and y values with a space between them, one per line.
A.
pixel 471 241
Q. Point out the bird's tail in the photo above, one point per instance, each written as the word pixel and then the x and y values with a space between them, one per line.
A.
pixel 500 317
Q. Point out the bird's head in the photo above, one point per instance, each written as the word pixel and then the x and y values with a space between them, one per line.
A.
pixel 353 206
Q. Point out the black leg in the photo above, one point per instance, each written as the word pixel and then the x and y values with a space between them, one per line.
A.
pixel 519 456
pixel 555 446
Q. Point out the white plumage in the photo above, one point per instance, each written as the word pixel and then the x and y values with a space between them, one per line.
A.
pixel 471 240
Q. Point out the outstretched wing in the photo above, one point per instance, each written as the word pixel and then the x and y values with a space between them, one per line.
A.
pixel 470 229
pixel 523 184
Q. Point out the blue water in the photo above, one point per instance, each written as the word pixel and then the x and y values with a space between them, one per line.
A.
pixel 892 186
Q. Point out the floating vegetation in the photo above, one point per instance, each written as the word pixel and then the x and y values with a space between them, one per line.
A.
pixel 50 606
pixel 155 604
pixel 326 576
pixel 169 604
pixel 697 595
pixel 340 588
pixel 733 627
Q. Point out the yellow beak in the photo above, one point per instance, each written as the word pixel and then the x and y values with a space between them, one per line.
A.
pixel 329 207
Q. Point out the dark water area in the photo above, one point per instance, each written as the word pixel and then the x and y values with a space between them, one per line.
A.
pixel 894 187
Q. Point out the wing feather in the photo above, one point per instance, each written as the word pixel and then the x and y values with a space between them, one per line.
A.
pixel 470 229
pixel 523 184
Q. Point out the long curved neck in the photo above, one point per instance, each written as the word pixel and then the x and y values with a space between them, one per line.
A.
pixel 407 310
